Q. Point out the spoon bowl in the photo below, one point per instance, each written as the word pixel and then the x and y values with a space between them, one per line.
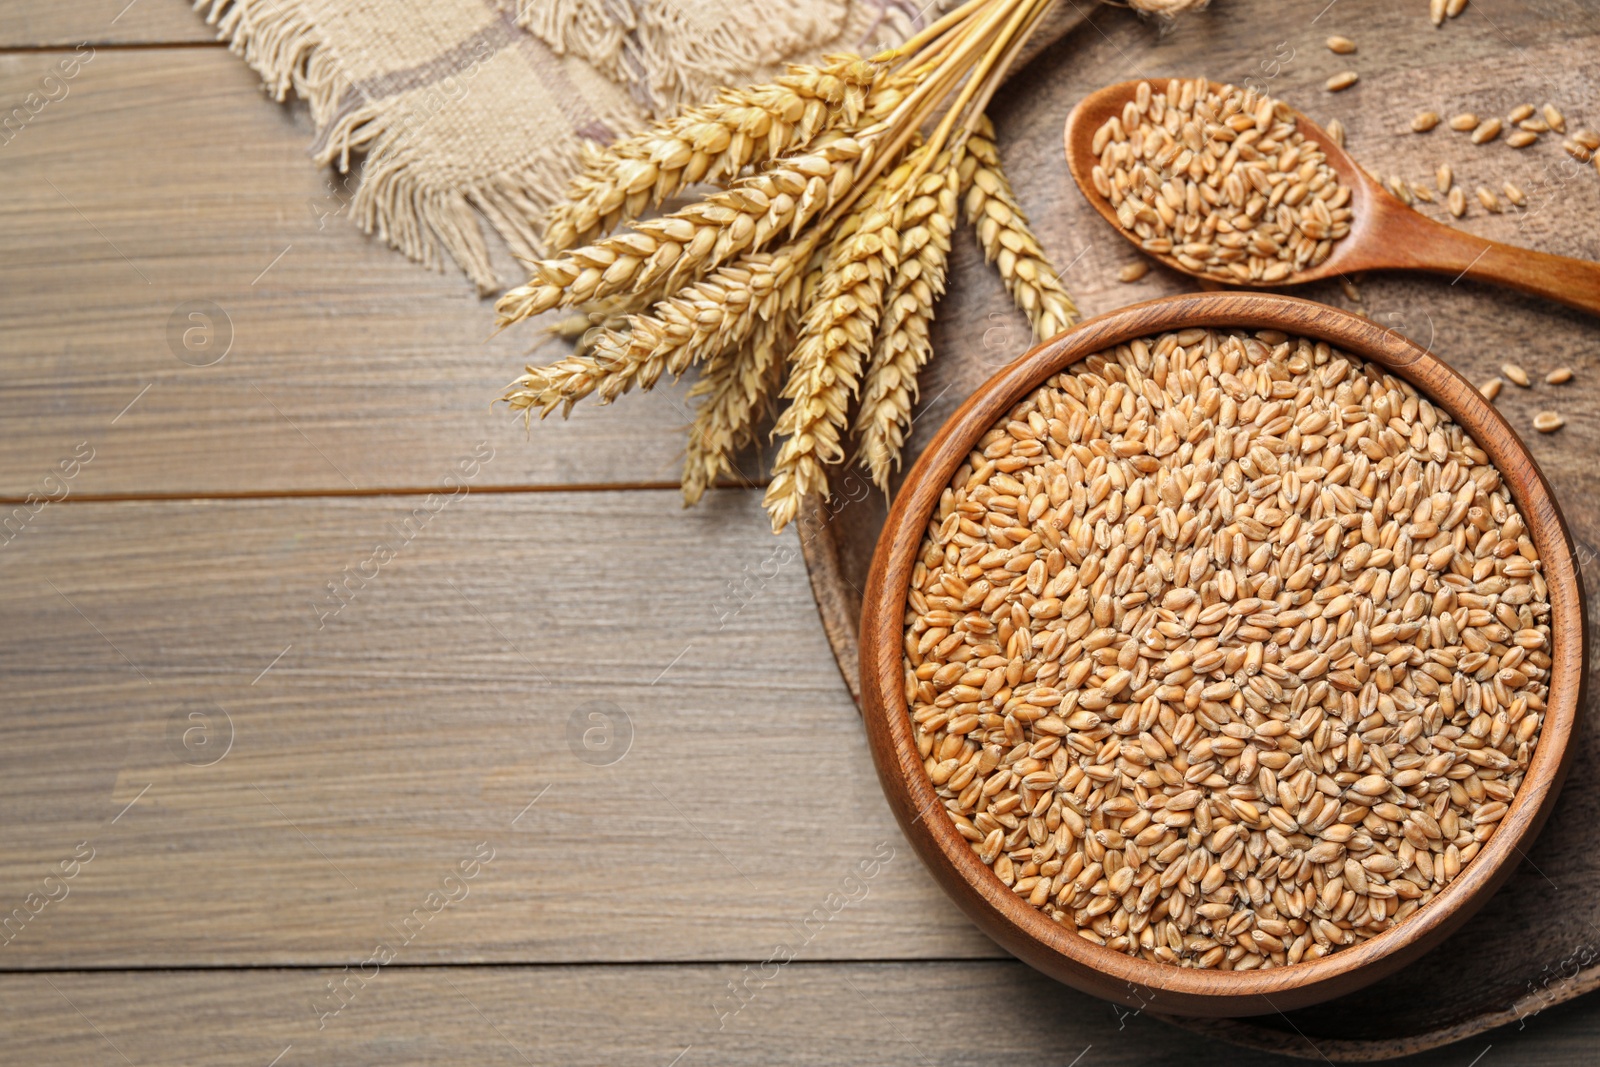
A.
pixel 1385 234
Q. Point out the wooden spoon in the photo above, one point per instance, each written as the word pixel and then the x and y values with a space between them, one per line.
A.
pixel 1385 234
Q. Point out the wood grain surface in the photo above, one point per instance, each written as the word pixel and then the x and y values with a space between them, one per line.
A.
pixel 34 24
pixel 378 736
pixel 164 185
pixel 932 1013
pixel 371 759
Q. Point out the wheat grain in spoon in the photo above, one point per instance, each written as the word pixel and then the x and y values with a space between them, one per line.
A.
pixel 1384 234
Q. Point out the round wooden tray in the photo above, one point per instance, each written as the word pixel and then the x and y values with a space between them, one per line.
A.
pixel 1537 943
pixel 1506 964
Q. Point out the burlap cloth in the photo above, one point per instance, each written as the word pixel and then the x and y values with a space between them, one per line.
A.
pixel 461 112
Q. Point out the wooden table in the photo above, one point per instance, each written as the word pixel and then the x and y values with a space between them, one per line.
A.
pixel 372 728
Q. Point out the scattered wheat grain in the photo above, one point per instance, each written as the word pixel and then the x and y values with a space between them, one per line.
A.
pixel 1487 131
pixel 1557 121
pixel 1464 122
pixel 1521 138
pixel 1425 121
pixel 1514 194
pixel 1491 388
pixel 1343 80
pixel 1559 376
pixel 1548 422
pixel 1516 374
pixel 1133 271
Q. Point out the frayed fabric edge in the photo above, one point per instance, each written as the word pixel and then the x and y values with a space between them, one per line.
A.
pixel 430 225
pixel 594 30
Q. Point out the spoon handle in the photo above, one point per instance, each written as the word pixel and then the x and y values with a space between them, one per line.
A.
pixel 1442 249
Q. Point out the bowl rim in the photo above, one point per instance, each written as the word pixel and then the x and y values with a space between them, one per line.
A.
pixel 1058 950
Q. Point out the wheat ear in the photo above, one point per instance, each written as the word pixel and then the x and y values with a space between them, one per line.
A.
pixel 713 143
pixel 1009 242
pixel 739 384
pixel 719 311
pixel 677 247
pixel 835 335
pixel 904 345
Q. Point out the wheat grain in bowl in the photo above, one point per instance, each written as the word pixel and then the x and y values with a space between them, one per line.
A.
pixel 1226 650
pixel 1222 180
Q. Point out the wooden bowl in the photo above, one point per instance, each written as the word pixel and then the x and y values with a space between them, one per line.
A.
pixel 1058 951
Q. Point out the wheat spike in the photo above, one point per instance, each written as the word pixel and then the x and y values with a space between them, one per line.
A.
pixel 713 143
pixel 720 311
pixel 835 335
pixel 904 346
pixel 811 270
pixel 1009 242
pixel 585 327
pixel 739 384
pixel 677 247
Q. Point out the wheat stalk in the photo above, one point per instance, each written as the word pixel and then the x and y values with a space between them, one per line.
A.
pixel 904 344
pixel 713 143
pixel 835 335
pixel 817 264
pixel 1008 241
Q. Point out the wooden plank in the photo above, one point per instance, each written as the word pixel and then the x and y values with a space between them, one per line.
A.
pixel 441 702
pixel 164 184
pixel 41 23
pixel 802 1013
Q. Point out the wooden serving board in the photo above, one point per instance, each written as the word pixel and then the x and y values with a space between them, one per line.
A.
pixel 1537 943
